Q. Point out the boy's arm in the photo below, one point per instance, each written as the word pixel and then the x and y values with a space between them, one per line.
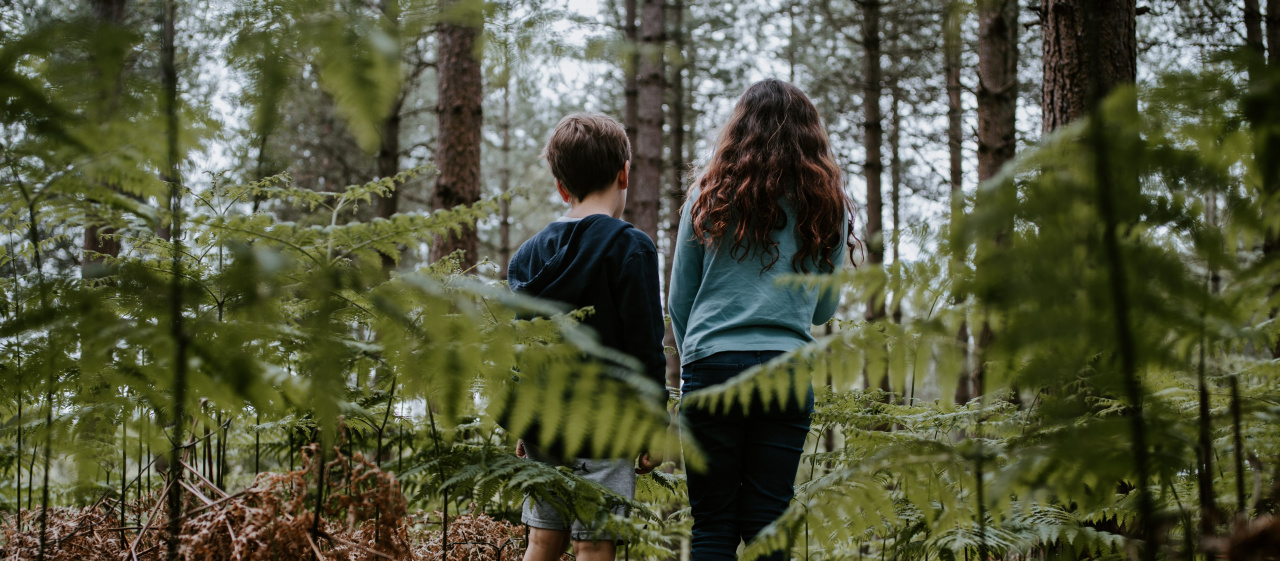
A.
pixel 641 312
pixel 686 274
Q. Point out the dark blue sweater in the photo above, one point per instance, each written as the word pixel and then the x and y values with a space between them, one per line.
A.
pixel 607 264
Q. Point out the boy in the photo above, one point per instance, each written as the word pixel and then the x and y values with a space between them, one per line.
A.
pixel 591 258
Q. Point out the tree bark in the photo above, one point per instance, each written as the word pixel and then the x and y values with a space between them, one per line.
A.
pixel 1273 33
pixel 1089 48
pixel 675 195
pixel 895 170
pixel 1253 29
pixel 108 11
pixel 997 119
pixel 955 125
pixel 895 187
pixel 97 238
pixel 873 167
pixel 389 166
pixel 389 163
pixel 1269 152
pixel 951 49
pixel 646 184
pixel 177 329
pixel 997 85
pixel 631 68
pixel 389 148
pixel 504 205
pixel 791 42
pixel 872 140
pixel 460 117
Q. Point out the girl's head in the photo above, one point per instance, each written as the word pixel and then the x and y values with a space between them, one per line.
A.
pixel 773 150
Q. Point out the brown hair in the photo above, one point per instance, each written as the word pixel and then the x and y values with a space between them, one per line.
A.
pixel 774 149
pixel 586 152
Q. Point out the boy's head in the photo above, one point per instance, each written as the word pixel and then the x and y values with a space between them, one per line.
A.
pixel 589 153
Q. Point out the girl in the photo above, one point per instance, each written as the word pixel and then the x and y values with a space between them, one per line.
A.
pixel 770 203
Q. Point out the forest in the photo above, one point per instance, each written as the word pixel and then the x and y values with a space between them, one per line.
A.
pixel 253 297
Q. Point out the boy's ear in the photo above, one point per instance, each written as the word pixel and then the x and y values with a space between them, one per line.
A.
pixel 564 193
pixel 624 175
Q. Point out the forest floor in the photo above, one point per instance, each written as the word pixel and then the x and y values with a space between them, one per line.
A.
pixel 364 519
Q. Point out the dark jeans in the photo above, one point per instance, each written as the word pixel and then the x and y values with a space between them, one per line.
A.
pixel 752 457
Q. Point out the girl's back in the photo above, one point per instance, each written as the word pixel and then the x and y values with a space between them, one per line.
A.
pixel 769 204
pixel 722 303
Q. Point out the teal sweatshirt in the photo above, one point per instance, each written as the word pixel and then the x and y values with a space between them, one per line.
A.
pixel 721 304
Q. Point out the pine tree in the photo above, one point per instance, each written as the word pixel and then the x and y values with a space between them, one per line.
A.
pixel 997 119
pixel 645 192
pixel 873 131
pixel 676 189
pixel 952 28
pixel 631 73
pixel 997 85
pixel 1253 29
pixel 99 240
pixel 1264 116
pixel 1089 48
pixel 460 117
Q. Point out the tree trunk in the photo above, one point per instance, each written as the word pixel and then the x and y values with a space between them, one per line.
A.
pixel 1089 48
pixel 997 85
pixel 389 148
pixel 1270 149
pixel 675 195
pixel 96 241
pixel 1204 451
pixel 460 118
pixel 873 132
pixel 895 188
pixel 646 184
pixel 504 228
pixel 791 42
pixel 895 174
pixel 631 89
pixel 97 238
pixel 1273 33
pixel 177 329
pixel 997 118
pixel 389 163
pixel 951 48
pixel 955 125
pixel 389 166
pixel 873 168
pixel 108 11
pixel 1253 29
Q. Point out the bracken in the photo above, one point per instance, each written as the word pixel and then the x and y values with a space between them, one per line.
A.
pixel 365 518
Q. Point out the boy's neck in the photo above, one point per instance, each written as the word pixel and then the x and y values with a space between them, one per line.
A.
pixel 604 202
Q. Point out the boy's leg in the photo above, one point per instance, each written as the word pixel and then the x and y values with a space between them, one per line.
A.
pixel 588 550
pixel 590 541
pixel 546 545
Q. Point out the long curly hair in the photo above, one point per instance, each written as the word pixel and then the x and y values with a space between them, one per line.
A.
pixel 774 151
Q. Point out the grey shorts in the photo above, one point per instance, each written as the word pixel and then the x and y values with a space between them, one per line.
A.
pixel 617 475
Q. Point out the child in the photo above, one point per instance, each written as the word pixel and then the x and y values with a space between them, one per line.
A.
pixel 769 204
pixel 591 258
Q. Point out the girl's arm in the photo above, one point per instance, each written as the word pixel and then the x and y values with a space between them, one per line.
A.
pixel 686 273
pixel 829 298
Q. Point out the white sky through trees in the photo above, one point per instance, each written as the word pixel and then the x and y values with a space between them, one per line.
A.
pixel 758 36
